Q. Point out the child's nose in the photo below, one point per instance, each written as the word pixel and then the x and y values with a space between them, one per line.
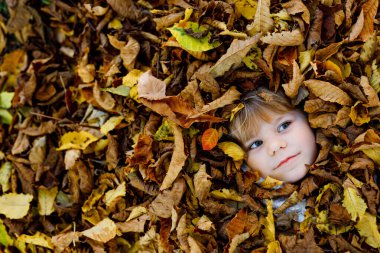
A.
pixel 275 145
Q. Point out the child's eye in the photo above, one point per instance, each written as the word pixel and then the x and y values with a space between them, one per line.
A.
pixel 283 126
pixel 256 144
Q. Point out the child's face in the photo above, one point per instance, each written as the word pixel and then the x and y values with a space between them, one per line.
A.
pixel 281 148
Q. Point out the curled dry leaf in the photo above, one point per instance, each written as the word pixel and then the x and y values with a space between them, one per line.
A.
pixel 296 6
pixel 369 9
pixel 62 241
pixel 129 53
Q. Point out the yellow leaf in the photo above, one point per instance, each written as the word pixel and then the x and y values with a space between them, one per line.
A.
pixel 262 22
pixel 115 24
pixel 328 187
pixel 328 92
pixel 359 114
pixel 136 212
pixel 178 158
pixel 38 239
pixel 15 206
pixel 247 8
pixel 269 228
pixel 226 194
pixel 233 150
pixel 354 204
pixel 305 59
pixel 367 228
pixel 192 43
pixel 324 226
pixel 236 110
pixel 76 140
pixel 269 183
pixel 111 195
pixel 102 232
pixel 46 199
pixel 373 153
pixel 274 247
pixel 110 124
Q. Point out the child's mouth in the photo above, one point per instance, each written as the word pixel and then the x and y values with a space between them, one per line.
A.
pixel 286 160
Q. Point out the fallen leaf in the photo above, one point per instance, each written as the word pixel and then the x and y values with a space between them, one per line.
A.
pixel 328 92
pixel 234 55
pixel 354 204
pixel 357 27
pixel 162 205
pixel 76 140
pixel 129 53
pixel 114 194
pixel 291 88
pixel 369 9
pixel 46 200
pixel 367 228
pixel 202 183
pixel 285 38
pixel 210 139
pixel 296 6
pixel 226 194
pixel 15 206
pixel 262 21
pixel 232 150
pixel 178 159
pixel 104 231
pixel 38 239
pixel 110 124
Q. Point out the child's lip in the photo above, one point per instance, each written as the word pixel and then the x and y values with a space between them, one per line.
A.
pixel 286 160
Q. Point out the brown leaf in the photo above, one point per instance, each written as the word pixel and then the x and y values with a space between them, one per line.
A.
pixel 357 27
pixel 285 38
pixel 126 8
pixel 104 99
pixel 129 53
pixel 241 223
pixel 178 159
pixel 369 9
pixel 291 88
pixel 370 92
pixel 338 215
pixel 324 120
pixel 26 176
pixel 46 127
pixel 328 92
pixel 202 184
pixel 112 153
pixel 323 54
pixel 162 205
pixel 142 153
pixel 262 22
pixel 343 117
pixel 314 37
pixel 62 241
pixel 296 6
pixel 168 20
pixel 134 225
pixel 21 144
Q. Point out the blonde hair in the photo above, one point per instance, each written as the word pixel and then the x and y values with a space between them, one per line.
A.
pixel 257 107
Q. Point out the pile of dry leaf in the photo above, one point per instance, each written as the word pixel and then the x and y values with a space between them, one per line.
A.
pixel 114 134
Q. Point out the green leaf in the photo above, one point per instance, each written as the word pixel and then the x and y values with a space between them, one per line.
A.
pixel 5 117
pixel 121 90
pixel 5 239
pixel 164 132
pixel 191 36
pixel 6 99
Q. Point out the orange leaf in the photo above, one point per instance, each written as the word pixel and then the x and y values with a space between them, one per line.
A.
pixel 210 139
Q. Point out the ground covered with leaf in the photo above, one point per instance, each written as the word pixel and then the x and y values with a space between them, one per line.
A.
pixel 114 134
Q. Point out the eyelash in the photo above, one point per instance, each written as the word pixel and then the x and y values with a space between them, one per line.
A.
pixel 260 142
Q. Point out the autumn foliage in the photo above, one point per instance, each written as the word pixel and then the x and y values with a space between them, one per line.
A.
pixel 114 134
